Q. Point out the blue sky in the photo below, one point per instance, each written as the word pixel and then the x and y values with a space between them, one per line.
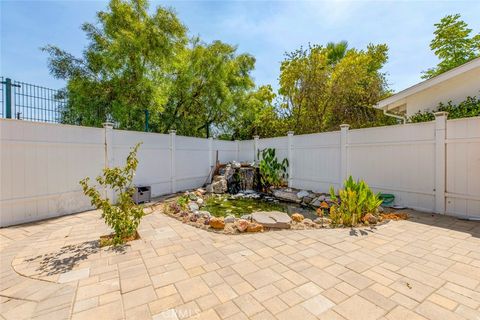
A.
pixel 265 29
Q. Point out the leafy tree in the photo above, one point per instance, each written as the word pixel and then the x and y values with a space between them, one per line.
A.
pixel 323 87
pixel 210 81
pixel 453 45
pixel 255 114
pixel 126 68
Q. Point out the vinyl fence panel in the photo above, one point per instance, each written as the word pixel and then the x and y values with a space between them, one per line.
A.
pixel 463 167
pixel 41 165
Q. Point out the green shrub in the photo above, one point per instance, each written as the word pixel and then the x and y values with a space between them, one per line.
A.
pixel 468 108
pixel 353 202
pixel 272 172
pixel 182 201
pixel 124 216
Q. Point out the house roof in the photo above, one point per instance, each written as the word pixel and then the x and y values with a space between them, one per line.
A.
pixel 475 63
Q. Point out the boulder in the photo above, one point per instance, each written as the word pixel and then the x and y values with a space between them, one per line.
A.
pixel 241 225
pixel 218 178
pixel 286 195
pixel 218 186
pixel 217 223
pixel 297 217
pixel 370 218
pixel 272 219
pixel 254 227
pixel 229 219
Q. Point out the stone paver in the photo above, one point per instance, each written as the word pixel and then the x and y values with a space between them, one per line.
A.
pixel 425 268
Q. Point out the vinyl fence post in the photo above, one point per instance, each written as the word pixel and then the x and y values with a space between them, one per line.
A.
pixel 255 148
pixel 237 150
pixel 343 152
pixel 290 158
pixel 173 183
pixel 440 160
pixel 109 160
pixel 210 153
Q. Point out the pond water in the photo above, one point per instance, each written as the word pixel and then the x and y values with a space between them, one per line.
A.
pixel 221 206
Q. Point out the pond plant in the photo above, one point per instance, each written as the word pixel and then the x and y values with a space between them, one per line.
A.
pixel 355 203
pixel 124 216
pixel 272 172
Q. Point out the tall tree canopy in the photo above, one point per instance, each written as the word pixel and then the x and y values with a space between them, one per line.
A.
pixel 453 45
pixel 136 62
pixel 126 68
pixel 209 81
pixel 323 87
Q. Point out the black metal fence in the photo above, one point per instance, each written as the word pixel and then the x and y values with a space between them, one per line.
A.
pixel 27 101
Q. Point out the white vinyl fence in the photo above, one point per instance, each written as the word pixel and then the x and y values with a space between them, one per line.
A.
pixel 41 165
pixel 433 166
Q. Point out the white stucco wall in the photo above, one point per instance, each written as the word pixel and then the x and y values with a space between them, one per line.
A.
pixel 455 89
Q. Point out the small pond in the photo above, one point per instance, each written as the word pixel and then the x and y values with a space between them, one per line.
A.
pixel 225 205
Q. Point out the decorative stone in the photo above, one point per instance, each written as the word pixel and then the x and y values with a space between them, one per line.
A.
pixel 272 219
pixel 201 191
pixel 193 206
pixel 322 220
pixel 324 205
pixel 203 214
pixel 246 217
pixel 286 195
pixel 236 165
pixel 200 201
pixel 370 218
pixel 307 199
pixel 308 222
pixel 229 219
pixel 254 227
pixel 297 217
pixel 217 223
pixel 317 201
pixel 219 186
pixel 241 225
pixel 230 228
pixel 302 194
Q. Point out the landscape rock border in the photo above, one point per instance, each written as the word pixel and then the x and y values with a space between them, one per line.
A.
pixel 190 212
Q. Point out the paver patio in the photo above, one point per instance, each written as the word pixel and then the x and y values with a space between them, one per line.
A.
pixel 425 268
